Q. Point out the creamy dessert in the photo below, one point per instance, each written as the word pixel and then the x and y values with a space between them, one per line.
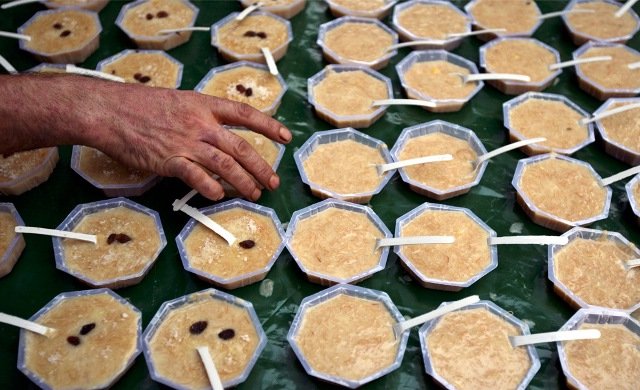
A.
pixel 245 83
pixel 610 362
pixel 266 148
pixel 151 68
pixel 524 56
pixel 621 133
pixel 347 337
pixel 612 78
pixel 315 239
pixel 22 171
pixel 343 97
pixel 555 120
pixel 459 262
pixel 343 169
pixel 356 41
pixel 246 261
pixel 284 8
pixel 91 5
pixel 568 192
pixel 209 319
pixel 517 17
pixel 365 8
pixel 62 36
pixel 430 20
pixel 11 243
pixel 128 242
pixel 462 337
pixel 593 270
pixel 241 40
pixel 600 24
pixel 96 340
pixel 143 20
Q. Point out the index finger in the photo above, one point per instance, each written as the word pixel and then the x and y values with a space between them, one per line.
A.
pixel 229 112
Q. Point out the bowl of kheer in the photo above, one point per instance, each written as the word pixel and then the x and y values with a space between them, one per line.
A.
pixel 559 192
pixel 91 5
pixel 621 132
pixel 65 35
pixel 241 40
pixel 228 326
pixel 341 164
pixel 430 20
pixel 343 95
pixel 358 41
pixel 143 21
pixel 453 344
pixel 607 79
pixel 596 20
pixel 153 68
pixel 610 362
pixel 449 267
pixel 284 8
pixel 96 340
pixel 335 242
pixel 436 76
pixel 550 116
pixel 444 179
pixel 129 240
pixel 376 9
pixel 344 335
pixel 520 18
pixel 11 243
pixel 23 171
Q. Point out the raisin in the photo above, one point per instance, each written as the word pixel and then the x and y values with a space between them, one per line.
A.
pixel 121 238
pixel 113 72
pixel 57 26
pixel 250 34
pixel 144 79
pixel 227 334
pixel 73 340
pixel 137 76
pixel 162 14
pixel 248 92
pixel 198 327
pixel 247 244
pixel 149 16
pixel 86 329
pixel 65 33
pixel 240 88
pixel 262 35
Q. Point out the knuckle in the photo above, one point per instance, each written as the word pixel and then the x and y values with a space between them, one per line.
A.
pixel 223 162
pixel 242 149
pixel 244 110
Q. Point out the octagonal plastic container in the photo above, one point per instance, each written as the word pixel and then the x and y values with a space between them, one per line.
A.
pixel 352 291
pixel 615 148
pixel 315 209
pixel 160 41
pixel 439 126
pixel 581 37
pixel 332 56
pixel 240 280
pixel 564 291
pixel 492 308
pixel 544 218
pixel 67 56
pixel 76 216
pixel 269 110
pixel 90 5
pixel 320 138
pixel 109 60
pixel 595 89
pixel 436 44
pixel 31 178
pixel 286 11
pixel 45 67
pixel 9 256
pixel 442 105
pixel 539 148
pixel 339 10
pixel 592 316
pixel 169 306
pixel 440 284
pixel 230 55
pixel 42 382
pixel 358 120
pixel 489 36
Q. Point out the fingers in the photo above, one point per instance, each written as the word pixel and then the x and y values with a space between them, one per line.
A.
pixel 233 113
pixel 195 177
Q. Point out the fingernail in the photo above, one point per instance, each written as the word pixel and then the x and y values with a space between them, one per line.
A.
pixel 256 194
pixel 274 182
pixel 285 134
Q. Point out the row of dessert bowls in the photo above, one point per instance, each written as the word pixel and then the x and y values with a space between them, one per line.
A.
pixel 344 335
pixel 332 242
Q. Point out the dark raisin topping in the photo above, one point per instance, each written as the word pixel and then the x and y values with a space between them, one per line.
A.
pixel 262 35
pixel 113 72
pixel 137 76
pixel 240 88
pixel 65 33
pixel 57 26
pixel 162 14
pixel 250 34
pixel 73 340
pixel 247 244
pixel 144 79
pixel 198 327
pixel 227 334
pixel 7 155
pixel 248 92
pixel 86 329
pixel 119 237
pixel 149 16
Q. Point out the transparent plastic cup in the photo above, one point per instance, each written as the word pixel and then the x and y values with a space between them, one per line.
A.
pixel 339 10
pixel 9 255
pixel 167 58
pixel 614 147
pixel 581 37
pixel 286 11
pixel 489 36
pixel 33 177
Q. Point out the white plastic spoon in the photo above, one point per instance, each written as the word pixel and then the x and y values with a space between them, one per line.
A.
pixel 552 337
pixel 26 324
pixel 413 240
pixel 271 62
pixel 579 61
pixel 248 10
pixel 626 7
pixel 8 34
pixel 183 29
pixel 560 13
pixel 608 113
pixel 206 221
pixel 57 233
pixel 210 367
pixel 382 168
pixel 93 73
pixel 473 77
pixel 7 66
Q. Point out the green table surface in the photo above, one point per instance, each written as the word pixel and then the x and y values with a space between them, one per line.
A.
pixel 519 284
